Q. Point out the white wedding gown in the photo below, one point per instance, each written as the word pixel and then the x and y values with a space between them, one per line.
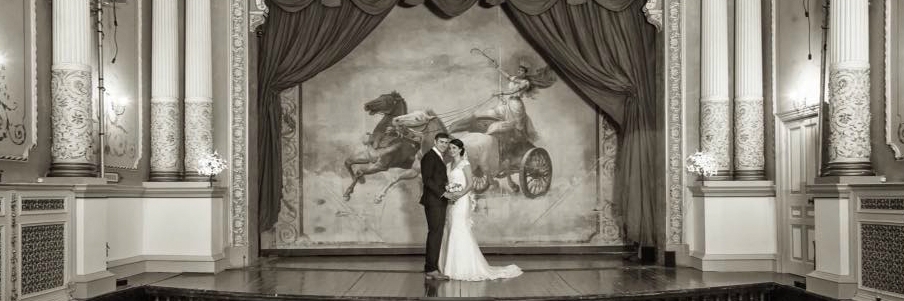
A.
pixel 460 257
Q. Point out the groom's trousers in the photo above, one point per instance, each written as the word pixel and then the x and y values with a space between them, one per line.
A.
pixel 436 221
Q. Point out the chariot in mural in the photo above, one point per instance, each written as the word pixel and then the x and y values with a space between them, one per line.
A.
pixel 400 139
pixel 499 139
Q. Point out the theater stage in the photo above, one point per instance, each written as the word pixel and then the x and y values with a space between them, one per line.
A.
pixel 546 277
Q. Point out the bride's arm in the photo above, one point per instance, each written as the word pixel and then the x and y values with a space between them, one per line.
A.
pixel 468 180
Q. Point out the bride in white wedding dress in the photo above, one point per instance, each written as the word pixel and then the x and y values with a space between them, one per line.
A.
pixel 460 257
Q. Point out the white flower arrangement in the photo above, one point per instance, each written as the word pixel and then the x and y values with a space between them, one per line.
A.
pixel 211 164
pixel 702 164
pixel 454 187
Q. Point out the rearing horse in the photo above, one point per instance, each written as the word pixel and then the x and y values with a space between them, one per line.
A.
pixel 483 149
pixel 387 147
pixel 424 125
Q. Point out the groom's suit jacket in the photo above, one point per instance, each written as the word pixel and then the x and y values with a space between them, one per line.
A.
pixel 433 174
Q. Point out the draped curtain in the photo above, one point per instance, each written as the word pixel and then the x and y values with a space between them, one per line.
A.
pixel 296 45
pixel 608 57
pixel 603 48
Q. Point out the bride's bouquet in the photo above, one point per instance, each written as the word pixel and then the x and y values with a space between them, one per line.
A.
pixel 454 187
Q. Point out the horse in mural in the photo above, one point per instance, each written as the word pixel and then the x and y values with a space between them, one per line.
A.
pixel 534 165
pixel 386 147
pixel 481 148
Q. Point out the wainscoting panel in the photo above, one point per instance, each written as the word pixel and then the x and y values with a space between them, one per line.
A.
pixel 879 222
pixel 35 262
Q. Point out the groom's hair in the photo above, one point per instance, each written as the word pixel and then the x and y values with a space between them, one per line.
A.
pixel 440 135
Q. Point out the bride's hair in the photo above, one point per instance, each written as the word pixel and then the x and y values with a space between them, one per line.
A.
pixel 460 145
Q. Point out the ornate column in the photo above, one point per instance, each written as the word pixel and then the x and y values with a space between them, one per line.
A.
pixel 73 152
pixel 715 107
pixel 748 111
pixel 166 127
pixel 848 150
pixel 198 91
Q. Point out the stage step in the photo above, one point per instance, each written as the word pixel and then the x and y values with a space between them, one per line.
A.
pixel 750 292
pixel 489 250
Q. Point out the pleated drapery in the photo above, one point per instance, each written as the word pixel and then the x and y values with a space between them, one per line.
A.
pixel 603 48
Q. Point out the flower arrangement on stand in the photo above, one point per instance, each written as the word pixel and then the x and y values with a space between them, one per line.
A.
pixel 211 165
pixel 702 163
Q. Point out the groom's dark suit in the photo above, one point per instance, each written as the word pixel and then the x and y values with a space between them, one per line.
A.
pixel 433 173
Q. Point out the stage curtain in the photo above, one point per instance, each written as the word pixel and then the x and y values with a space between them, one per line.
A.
pixel 373 7
pixel 295 46
pixel 609 58
pixel 452 8
pixel 536 7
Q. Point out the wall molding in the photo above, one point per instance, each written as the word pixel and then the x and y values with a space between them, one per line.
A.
pixel 134 265
pixel 802 113
pixel 675 177
pixel 31 82
pixel 733 262
pixel 894 124
pixel 238 119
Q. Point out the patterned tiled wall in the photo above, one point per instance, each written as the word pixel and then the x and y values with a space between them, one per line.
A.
pixel 882 203
pixel 43 204
pixel 43 257
pixel 882 259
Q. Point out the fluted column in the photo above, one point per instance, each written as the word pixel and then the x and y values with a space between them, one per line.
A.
pixel 715 107
pixel 748 111
pixel 848 149
pixel 73 152
pixel 166 117
pixel 198 91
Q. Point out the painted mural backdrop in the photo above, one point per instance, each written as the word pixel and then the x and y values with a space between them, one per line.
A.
pixel 350 144
pixel 17 80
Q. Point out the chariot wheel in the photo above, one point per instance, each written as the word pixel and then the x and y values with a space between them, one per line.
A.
pixel 481 181
pixel 535 173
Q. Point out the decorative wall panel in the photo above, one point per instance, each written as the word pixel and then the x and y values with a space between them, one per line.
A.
pixel 238 89
pixel 124 85
pixel 357 183
pixel 43 257
pixel 43 204
pixel 894 75
pixel 18 80
pixel 882 259
pixel 674 125
pixel 882 203
pixel 3 278
pixel 289 222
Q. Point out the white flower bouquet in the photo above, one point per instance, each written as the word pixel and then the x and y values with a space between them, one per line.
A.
pixel 211 164
pixel 454 187
pixel 702 164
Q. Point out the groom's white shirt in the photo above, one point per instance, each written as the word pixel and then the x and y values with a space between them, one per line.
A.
pixel 438 153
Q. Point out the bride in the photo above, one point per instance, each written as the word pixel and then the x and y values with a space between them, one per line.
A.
pixel 460 257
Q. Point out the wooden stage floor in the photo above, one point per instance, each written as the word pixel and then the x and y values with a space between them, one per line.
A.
pixel 565 276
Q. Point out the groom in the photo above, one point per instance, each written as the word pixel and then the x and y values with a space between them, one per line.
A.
pixel 433 173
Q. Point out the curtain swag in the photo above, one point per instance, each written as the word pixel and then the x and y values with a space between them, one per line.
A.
pixel 450 8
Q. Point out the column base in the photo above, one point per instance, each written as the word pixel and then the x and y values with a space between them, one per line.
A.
pixel 92 285
pixel 848 169
pixel 194 176
pixel 84 170
pixel 165 176
pixel 831 285
pixel 749 175
pixel 733 262
pixel 721 175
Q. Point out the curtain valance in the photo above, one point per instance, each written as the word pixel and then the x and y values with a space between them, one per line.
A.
pixel 450 8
